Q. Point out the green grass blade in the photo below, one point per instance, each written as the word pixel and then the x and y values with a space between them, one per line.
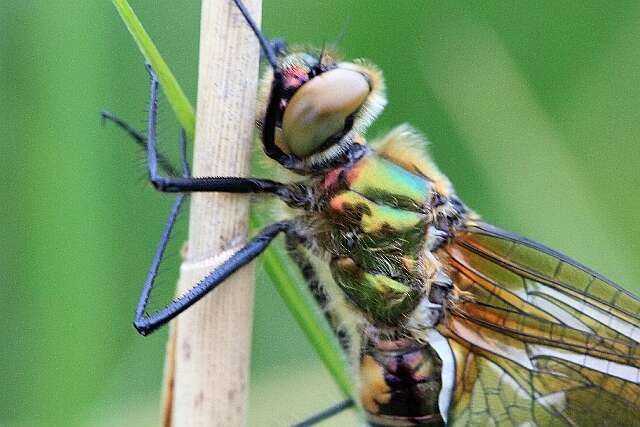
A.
pixel 296 298
pixel 177 99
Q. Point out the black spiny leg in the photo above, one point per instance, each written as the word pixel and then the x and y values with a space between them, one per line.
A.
pixel 296 249
pixel 277 92
pixel 140 139
pixel 327 413
pixel 174 184
pixel 297 252
pixel 147 323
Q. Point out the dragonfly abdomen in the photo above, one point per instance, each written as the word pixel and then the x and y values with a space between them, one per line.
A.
pixel 400 383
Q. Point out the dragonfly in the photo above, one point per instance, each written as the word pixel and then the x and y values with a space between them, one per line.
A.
pixel 445 318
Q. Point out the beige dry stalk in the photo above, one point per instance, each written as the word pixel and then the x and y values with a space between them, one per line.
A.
pixel 207 369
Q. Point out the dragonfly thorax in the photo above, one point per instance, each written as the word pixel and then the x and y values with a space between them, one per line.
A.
pixel 378 220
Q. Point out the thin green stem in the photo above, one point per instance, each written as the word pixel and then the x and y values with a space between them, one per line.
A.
pixel 177 99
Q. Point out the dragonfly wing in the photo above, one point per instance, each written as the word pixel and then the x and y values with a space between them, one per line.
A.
pixel 537 337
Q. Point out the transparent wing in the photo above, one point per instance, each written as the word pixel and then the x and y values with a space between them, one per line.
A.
pixel 537 337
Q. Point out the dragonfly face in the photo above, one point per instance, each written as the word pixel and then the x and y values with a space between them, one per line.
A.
pixel 445 318
pixel 318 108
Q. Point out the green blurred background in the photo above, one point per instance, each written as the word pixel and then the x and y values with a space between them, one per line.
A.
pixel 531 107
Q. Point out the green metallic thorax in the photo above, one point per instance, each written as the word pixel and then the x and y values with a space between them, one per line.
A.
pixel 374 225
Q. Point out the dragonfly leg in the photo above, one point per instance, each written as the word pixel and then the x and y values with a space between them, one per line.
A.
pixel 163 161
pixel 327 413
pixel 296 248
pixel 270 51
pixel 148 323
pixel 268 48
pixel 172 184
pixel 134 133
pixel 140 139
pixel 184 161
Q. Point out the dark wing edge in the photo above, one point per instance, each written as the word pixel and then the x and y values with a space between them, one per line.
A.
pixel 537 336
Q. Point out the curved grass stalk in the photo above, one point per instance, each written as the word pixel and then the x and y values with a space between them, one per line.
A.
pixel 177 99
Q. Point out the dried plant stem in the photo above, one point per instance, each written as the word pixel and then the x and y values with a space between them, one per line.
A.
pixel 208 362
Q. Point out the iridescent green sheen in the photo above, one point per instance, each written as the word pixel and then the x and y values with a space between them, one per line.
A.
pixel 381 297
pixel 385 182
pixel 376 230
pixel 377 237
pixel 375 218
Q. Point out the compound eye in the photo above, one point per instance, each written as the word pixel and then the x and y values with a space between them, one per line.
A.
pixel 319 109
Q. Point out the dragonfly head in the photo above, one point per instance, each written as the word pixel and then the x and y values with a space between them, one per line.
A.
pixel 319 107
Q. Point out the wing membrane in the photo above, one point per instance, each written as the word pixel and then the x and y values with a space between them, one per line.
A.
pixel 538 264
pixel 538 338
